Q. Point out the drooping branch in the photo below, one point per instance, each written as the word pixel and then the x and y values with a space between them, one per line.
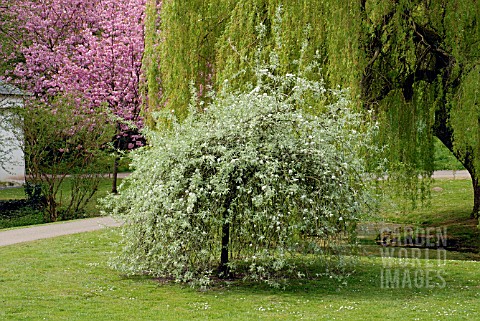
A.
pixel 373 48
pixel 423 37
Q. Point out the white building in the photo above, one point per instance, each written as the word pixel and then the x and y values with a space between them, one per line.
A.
pixel 12 161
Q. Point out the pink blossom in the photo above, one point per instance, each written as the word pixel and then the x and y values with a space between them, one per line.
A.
pixel 88 48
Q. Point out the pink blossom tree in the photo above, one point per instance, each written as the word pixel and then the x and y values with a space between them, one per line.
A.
pixel 91 48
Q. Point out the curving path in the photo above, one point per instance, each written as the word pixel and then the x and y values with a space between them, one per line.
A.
pixel 27 234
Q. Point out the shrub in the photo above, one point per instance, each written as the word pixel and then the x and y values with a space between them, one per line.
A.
pixel 64 139
pixel 22 211
pixel 247 186
pixel 17 208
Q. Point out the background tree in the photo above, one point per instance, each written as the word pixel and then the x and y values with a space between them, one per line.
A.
pixel 7 47
pixel 190 58
pixel 63 147
pixel 423 72
pixel 92 48
pixel 413 63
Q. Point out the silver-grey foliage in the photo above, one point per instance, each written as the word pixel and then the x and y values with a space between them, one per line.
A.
pixel 287 182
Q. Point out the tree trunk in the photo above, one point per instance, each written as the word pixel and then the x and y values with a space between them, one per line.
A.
pixel 223 269
pixel 476 197
pixel 445 134
pixel 115 175
pixel 467 162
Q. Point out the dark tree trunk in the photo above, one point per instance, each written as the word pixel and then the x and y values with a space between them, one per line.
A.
pixel 115 175
pixel 476 197
pixel 468 163
pixel 445 134
pixel 475 184
pixel 223 269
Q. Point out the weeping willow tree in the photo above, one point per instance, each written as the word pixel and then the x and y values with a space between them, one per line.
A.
pixel 422 75
pixel 180 41
pixel 413 64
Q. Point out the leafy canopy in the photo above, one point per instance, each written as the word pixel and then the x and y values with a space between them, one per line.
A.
pixel 78 47
pixel 255 175
pixel 414 62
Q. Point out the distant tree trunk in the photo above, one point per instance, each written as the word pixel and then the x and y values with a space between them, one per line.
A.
pixel 476 198
pixel 469 166
pixel 115 175
pixel 52 208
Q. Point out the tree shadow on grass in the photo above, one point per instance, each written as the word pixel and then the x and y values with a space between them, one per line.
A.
pixel 369 281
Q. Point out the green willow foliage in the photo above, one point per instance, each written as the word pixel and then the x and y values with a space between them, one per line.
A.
pixel 176 59
pixel 151 88
pixel 210 41
pixel 422 76
pixel 248 186
pixel 415 63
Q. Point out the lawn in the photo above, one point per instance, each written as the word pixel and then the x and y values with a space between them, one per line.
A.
pixel 451 200
pixel 67 278
pixel 450 207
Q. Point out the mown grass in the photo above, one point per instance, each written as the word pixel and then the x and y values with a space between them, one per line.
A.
pixel 444 159
pixel 451 200
pixel 450 206
pixel 30 217
pixel 67 278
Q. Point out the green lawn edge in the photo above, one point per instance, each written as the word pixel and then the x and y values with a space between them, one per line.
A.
pixel 68 278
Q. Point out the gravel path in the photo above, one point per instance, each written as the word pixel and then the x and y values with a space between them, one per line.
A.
pixel 38 232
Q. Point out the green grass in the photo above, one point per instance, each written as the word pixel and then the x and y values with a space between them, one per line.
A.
pixel 444 159
pixel 451 201
pixel 32 218
pixel 67 278
pixel 12 193
pixel 450 207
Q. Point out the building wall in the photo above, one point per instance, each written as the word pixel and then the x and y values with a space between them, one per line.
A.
pixel 12 161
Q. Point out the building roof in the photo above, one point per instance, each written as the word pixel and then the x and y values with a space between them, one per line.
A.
pixel 6 89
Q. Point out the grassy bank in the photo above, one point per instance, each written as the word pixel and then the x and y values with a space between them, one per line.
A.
pixel 450 207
